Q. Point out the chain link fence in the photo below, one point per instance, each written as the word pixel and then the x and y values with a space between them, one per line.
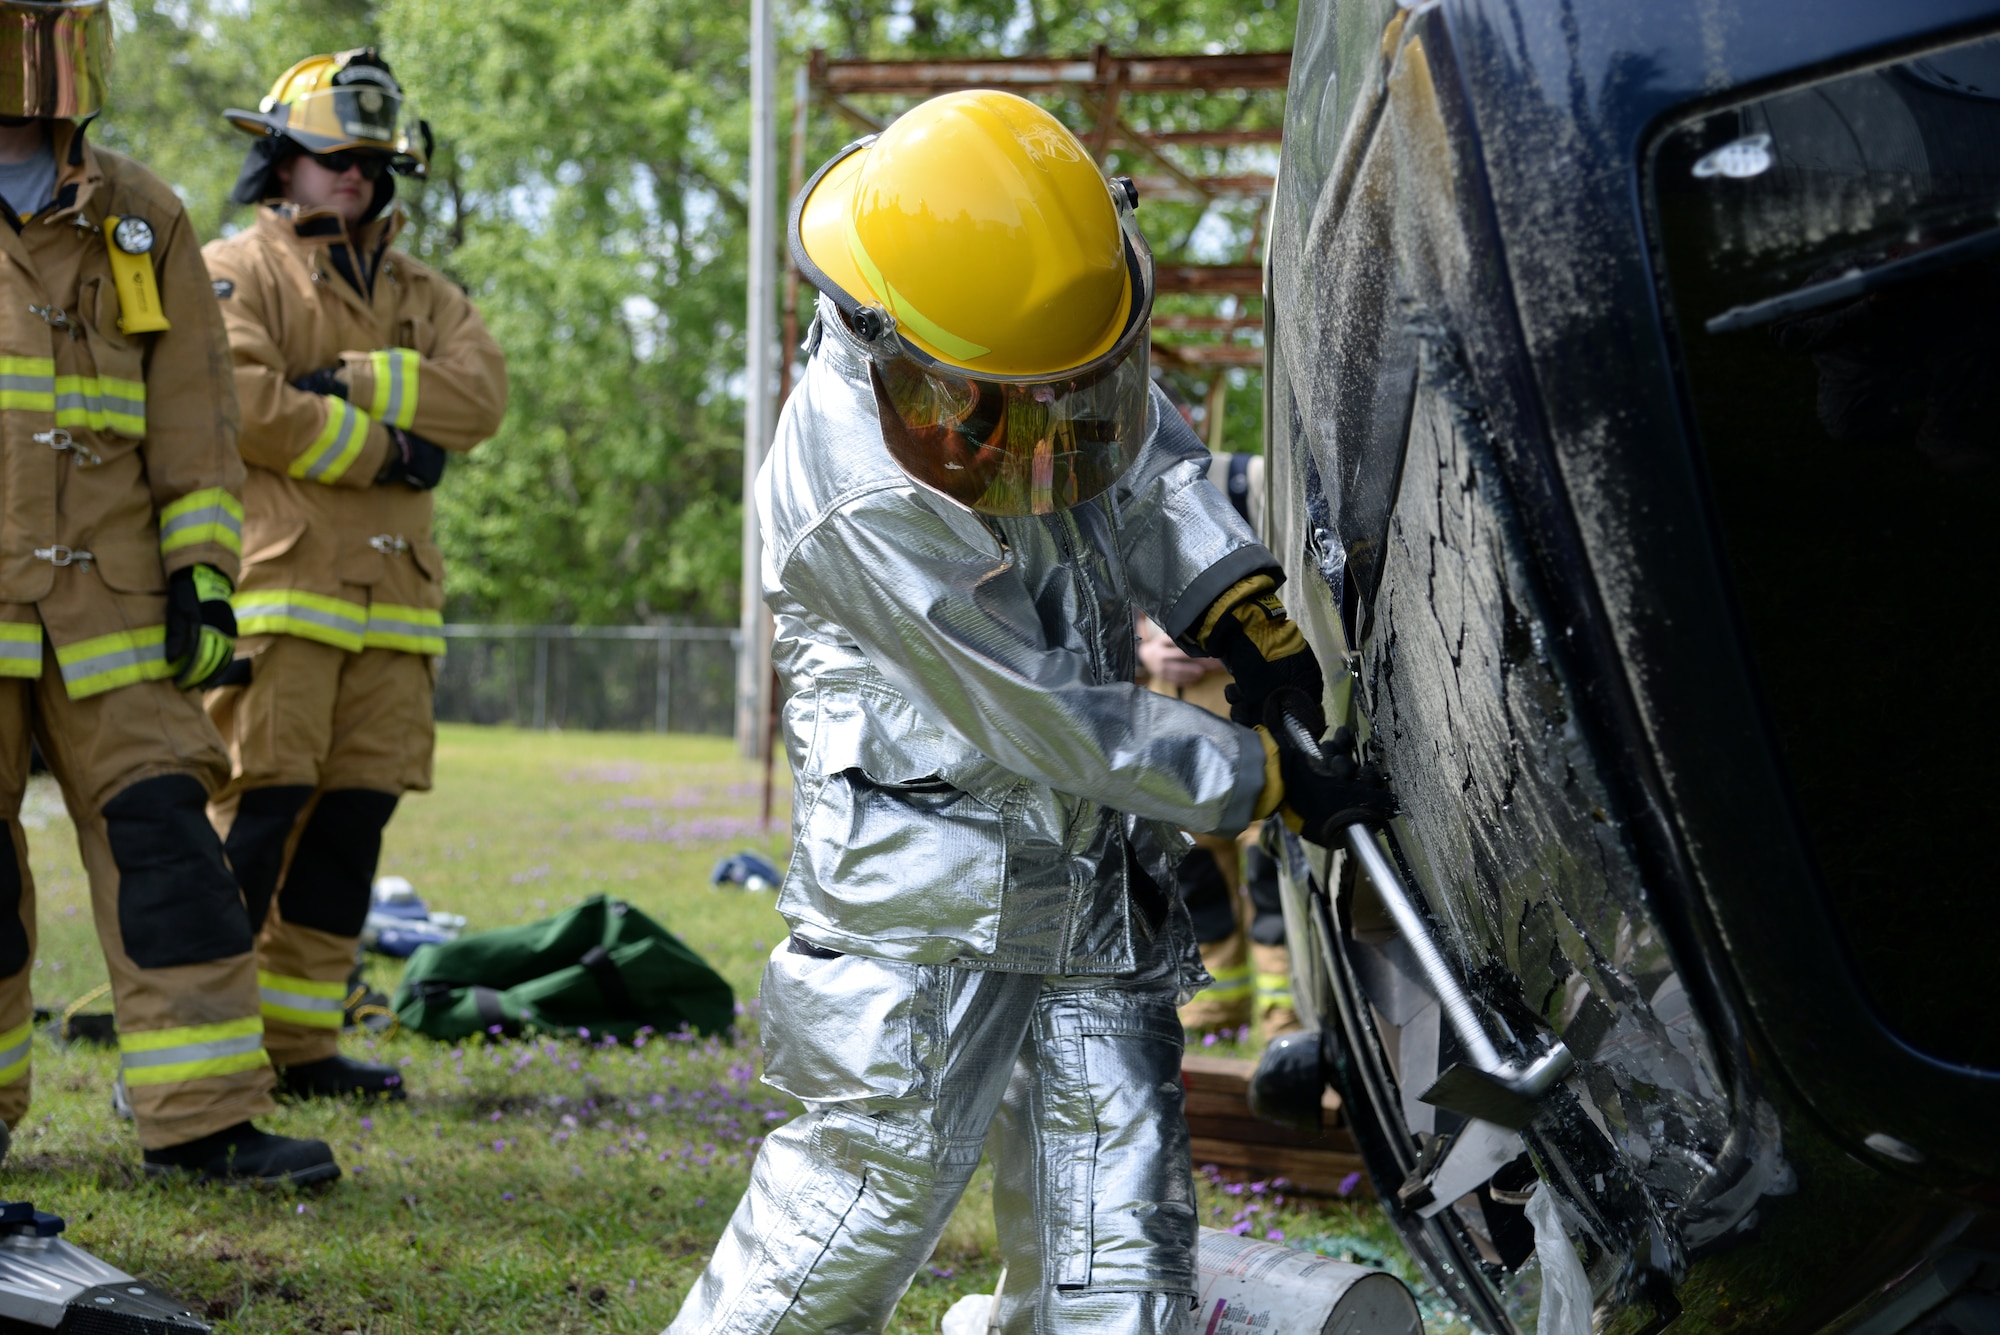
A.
pixel 591 678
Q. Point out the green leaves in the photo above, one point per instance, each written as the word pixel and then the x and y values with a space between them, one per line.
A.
pixel 588 191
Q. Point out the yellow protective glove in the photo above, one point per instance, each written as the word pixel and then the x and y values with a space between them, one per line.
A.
pixel 201 626
pixel 1320 788
pixel 1247 629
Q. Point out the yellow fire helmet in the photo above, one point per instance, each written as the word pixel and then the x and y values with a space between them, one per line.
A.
pixel 1003 292
pixel 54 57
pixel 327 104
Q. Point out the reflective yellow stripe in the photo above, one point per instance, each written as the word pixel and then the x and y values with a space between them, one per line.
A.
pixel 1229 984
pixel 16 1045
pixel 160 1040
pixel 20 649
pixel 28 383
pixel 176 1072
pixel 169 1056
pixel 310 616
pixel 414 630
pixel 208 515
pixel 302 1001
pixel 101 403
pixel 905 311
pixel 93 666
pixel 335 991
pixel 336 447
pixel 1275 985
pixel 395 398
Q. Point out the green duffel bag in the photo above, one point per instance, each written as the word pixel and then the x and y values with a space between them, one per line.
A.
pixel 601 968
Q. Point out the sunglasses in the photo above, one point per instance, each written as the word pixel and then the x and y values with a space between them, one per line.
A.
pixel 371 165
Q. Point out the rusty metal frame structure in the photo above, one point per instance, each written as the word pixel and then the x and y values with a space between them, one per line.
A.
pixel 1102 83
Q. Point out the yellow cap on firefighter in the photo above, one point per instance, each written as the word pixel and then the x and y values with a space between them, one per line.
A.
pixel 981 224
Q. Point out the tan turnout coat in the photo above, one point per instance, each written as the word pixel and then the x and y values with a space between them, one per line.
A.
pixel 328 555
pixel 119 446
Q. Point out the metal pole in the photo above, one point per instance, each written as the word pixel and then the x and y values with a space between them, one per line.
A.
pixel 789 345
pixel 753 669
pixel 541 678
pixel 663 681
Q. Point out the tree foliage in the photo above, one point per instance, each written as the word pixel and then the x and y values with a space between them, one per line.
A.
pixel 589 192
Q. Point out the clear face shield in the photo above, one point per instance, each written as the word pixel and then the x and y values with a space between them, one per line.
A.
pixel 54 58
pixel 1019 445
pixel 1005 448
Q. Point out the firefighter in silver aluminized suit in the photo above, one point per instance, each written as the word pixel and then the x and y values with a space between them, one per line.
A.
pixel 970 491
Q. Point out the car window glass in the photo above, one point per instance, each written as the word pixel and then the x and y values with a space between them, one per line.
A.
pixel 1832 258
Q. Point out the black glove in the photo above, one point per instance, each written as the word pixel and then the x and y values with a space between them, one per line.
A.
pixel 1326 790
pixel 413 461
pixel 1264 652
pixel 326 380
pixel 201 626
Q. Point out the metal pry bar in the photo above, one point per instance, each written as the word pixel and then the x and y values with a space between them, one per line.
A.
pixel 1488 1086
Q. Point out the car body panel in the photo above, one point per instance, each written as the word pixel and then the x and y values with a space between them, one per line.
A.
pixel 1482 485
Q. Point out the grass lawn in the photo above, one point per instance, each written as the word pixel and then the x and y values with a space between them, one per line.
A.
pixel 532 1186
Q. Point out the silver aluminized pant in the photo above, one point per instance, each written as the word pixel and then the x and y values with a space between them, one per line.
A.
pixel 907 1071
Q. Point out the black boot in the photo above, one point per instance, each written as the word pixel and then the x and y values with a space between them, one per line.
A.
pixel 242 1153
pixel 1290 1079
pixel 339 1078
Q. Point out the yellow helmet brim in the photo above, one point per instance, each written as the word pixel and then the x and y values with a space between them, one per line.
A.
pixel 821 228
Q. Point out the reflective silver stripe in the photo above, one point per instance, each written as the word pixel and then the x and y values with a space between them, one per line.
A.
pixel 28 384
pixel 416 630
pixel 80 669
pixel 337 451
pixel 124 403
pixel 299 1001
pixel 394 412
pixel 195 1052
pixel 17 1053
pixel 207 514
pixel 30 650
pixel 302 612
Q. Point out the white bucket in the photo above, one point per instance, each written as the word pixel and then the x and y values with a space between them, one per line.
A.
pixel 1260 1288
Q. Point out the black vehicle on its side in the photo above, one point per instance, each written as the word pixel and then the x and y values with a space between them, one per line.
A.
pixel 1634 376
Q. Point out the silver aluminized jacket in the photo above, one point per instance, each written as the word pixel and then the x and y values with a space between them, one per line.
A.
pixel 979 781
pixel 985 803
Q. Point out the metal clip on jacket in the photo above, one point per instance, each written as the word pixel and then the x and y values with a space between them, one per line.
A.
pixel 60 555
pixel 57 318
pixel 59 439
pixel 389 544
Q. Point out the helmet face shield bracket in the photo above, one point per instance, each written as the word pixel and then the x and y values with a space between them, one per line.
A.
pixel 867 322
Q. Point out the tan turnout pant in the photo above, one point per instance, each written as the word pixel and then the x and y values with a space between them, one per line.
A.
pixel 321 744
pixel 1226 1002
pixel 136 765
